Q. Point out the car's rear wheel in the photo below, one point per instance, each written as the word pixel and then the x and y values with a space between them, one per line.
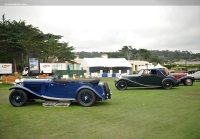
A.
pixel 167 84
pixel 188 82
pixel 86 97
pixel 121 85
pixel 18 98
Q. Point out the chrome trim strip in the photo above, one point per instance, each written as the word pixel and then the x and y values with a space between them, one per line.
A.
pixel 53 98
pixel 140 84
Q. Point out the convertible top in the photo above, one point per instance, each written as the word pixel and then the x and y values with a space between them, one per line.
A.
pixel 63 81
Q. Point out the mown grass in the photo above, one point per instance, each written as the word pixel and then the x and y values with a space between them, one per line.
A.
pixel 146 113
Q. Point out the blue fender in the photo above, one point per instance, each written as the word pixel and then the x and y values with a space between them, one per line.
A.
pixel 24 88
pixel 90 88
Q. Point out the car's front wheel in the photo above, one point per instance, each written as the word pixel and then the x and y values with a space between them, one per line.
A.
pixel 86 97
pixel 188 82
pixel 18 98
pixel 167 84
pixel 121 85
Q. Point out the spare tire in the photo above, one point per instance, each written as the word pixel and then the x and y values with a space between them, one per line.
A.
pixel 107 90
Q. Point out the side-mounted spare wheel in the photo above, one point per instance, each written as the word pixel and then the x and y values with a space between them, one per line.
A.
pixel 86 97
pixel 167 84
pixel 18 98
pixel 107 90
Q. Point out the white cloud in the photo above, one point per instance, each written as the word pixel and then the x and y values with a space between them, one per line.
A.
pixel 108 28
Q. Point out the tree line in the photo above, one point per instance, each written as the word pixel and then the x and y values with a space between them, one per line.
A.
pixel 153 56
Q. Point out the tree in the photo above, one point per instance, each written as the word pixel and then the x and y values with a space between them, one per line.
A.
pixel 18 40
pixel 65 53
pixel 143 54
pixel 127 51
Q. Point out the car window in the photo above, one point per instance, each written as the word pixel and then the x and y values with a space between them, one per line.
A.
pixel 145 72
pixel 163 72
pixel 148 72
pixel 140 72
pixel 153 72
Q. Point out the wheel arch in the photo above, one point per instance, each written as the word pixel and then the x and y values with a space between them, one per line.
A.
pixel 122 80
pixel 185 78
pixel 89 88
pixel 170 80
pixel 184 81
pixel 27 91
pixel 18 97
pixel 166 84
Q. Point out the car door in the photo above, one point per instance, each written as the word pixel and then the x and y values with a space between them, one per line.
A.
pixel 57 90
pixel 151 78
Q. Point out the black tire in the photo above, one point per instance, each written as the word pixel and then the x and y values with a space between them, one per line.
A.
pixel 107 90
pixel 167 84
pixel 188 82
pixel 121 85
pixel 86 97
pixel 18 98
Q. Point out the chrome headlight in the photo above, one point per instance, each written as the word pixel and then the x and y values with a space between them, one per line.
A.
pixel 18 81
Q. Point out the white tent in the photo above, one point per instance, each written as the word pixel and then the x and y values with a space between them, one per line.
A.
pixel 105 62
pixel 159 66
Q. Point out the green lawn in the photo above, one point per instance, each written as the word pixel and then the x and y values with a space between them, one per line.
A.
pixel 140 113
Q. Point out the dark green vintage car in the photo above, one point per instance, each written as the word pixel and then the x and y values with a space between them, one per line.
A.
pixel 150 78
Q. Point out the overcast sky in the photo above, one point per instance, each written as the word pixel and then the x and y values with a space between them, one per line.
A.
pixel 109 28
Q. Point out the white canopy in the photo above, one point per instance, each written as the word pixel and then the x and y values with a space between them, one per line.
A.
pixel 105 62
pixel 159 66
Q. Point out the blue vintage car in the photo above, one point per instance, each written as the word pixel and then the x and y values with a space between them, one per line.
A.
pixel 86 92
pixel 151 78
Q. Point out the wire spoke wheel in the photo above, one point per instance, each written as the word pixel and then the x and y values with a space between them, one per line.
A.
pixel 121 85
pixel 86 97
pixel 167 84
pixel 188 82
pixel 18 98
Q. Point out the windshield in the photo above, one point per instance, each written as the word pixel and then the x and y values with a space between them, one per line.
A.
pixel 140 72
pixel 163 72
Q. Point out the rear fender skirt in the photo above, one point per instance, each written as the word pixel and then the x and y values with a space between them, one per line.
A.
pixel 86 87
pixel 139 84
pixel 23 88
pixel 173 80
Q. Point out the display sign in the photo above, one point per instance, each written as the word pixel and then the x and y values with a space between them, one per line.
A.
pixel 34 64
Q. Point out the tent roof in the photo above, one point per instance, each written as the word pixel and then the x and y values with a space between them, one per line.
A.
pixel 159 66
pixel 105 62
